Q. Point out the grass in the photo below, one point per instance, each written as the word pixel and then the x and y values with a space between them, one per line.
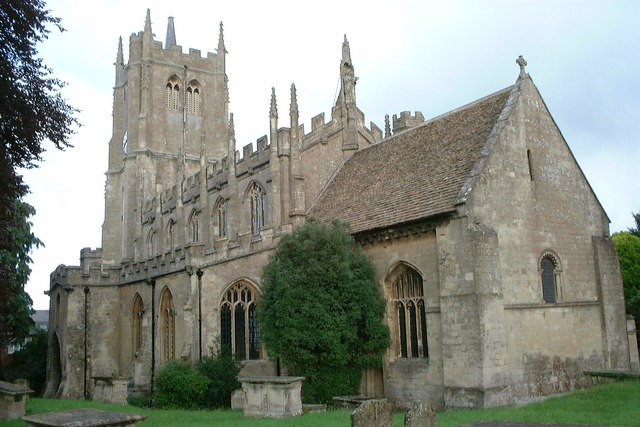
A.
pixel 606 404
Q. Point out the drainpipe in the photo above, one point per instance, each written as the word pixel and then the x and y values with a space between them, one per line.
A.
pixel 86 336
pixel 199 273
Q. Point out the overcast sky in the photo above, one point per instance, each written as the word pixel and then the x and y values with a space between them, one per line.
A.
pixel 430 56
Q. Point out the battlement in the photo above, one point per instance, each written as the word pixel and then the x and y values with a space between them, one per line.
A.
pixel 90 258
pixel 191 188
pixel 174 54
pixel 406 121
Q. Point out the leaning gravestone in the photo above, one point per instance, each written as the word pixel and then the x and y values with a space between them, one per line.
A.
pixel 421 414
pixel 373 413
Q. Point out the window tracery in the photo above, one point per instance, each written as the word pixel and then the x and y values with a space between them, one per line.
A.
pixel 194 227
pixel 172 94
pixel 409 314
pixel 238 322
pixel 193 98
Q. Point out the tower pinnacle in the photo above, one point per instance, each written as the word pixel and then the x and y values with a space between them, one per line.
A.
pixel 147 22
pixel 119 57
pixel 221 48
pixel 171 33
pixel 346 51
pixel 273 111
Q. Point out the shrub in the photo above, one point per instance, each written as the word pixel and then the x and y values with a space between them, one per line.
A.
pixel 321 311
pixel 222 371
pixel 178 385
pixel 30 363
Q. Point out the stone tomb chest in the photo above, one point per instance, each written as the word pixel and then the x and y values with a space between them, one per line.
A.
pixel 275 397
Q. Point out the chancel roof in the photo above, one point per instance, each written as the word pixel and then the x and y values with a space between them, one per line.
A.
pixel 415 174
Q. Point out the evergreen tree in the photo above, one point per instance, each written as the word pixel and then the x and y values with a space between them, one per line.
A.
pixel 321 311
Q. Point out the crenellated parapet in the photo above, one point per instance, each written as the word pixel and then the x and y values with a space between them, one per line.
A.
pixel 406 120
pixel 252 160
pixel 149 210
pixel 168 200
pixel 191 188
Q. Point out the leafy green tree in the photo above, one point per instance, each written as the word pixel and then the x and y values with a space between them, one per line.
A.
pixel 321 311
pixel 628 248
pixel 32 110
pixel 635 230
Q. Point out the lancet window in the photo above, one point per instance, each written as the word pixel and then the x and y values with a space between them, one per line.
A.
pixel 549 269
pixel 238 322
pixel 172 94
pixel 220 218
pixel 170 235
pixel 409 314
pixel 136 322
pixel 194 227
pixel 167 326
pixel 151 243
pixel 256 195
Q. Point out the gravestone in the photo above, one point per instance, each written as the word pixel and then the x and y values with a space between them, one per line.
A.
pixel 274 397
pixel 421 414
pixel 12 400
pixel 373 413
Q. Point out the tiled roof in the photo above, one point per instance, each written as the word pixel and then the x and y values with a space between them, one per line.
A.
pixel 414 174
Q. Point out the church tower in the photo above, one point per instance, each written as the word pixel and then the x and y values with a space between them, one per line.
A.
pixel 170 117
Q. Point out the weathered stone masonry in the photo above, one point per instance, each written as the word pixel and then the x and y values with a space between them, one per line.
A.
pixel 490 248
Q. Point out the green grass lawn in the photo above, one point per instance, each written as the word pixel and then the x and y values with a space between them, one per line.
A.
pixel 615 404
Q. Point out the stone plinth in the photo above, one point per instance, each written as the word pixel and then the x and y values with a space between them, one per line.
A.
pixel 83 418
pixel 12 400
pixel 110 390
pixel 274 397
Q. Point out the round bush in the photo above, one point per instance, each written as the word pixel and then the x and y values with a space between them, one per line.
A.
pixel 178 385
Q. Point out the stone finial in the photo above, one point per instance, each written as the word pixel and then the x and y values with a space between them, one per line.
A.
pixel 346 51
pixel 232 128
pixel 221 48
pixel 171 33
pixel 147 22
pixel 522 63
pixel 293 108
pixel 387 126
pixel 120 57
pixel 273 110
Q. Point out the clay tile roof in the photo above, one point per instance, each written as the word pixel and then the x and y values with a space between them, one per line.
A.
pixel 414 174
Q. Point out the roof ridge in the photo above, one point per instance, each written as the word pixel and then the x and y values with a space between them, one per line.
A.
pixel 467 186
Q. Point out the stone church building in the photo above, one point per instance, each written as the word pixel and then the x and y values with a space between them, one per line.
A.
pixel 489 245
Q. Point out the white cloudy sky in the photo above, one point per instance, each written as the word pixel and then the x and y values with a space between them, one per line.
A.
pixel 424 55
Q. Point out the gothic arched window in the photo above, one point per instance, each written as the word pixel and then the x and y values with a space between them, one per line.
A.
pixel 256 195
pixel 170 235
pixel 238 323
pixel 167 326
pixel 193 97
pixel 409 325
pixel 220 218
pixel 194 227
pixel 151 243
pixel 172 93
pixel 136 323
pixel 549 269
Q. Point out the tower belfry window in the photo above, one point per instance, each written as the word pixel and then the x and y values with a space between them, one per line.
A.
pixel 172 94
pixel 193 98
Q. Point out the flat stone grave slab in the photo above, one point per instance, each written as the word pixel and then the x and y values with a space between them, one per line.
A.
pixel 83 418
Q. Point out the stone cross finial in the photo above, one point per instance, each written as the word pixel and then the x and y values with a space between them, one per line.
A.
pixel 273 110
pixel 522 63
